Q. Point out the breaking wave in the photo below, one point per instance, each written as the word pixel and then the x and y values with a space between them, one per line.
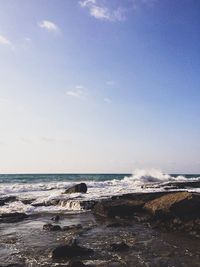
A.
pixel 48 196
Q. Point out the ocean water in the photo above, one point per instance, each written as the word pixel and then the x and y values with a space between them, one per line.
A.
pixel 44 189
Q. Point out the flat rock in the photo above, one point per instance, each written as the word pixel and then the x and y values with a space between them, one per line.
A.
pixel 181 204
pixel 118 208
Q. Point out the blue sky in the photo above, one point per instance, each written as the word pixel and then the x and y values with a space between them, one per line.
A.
pixel 99 86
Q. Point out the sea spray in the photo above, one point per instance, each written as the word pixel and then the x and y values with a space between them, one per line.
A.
pixel 47 196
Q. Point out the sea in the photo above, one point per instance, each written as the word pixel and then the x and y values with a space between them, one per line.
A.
pixel 36 193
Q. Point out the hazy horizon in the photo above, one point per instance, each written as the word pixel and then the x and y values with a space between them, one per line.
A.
pixel 95 86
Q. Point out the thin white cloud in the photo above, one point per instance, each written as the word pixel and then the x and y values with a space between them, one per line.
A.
pixel 49 26
pixel 5 41
pixel 77 92
pixel 79 86
pixel 87 2
pixel 102 12
pixel 107 100
pixel 27 39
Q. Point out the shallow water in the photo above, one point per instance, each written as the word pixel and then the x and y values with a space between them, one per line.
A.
pixel 27 243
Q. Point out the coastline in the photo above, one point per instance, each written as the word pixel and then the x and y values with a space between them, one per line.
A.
pixel 135 229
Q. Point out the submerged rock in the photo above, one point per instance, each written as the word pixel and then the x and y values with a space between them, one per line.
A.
pixel 56 218
pixel 51 227
pixel 12 217
pixel 70 251
pixel 78 188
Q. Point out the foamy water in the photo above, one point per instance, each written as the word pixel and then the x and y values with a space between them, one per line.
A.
pixel 47 191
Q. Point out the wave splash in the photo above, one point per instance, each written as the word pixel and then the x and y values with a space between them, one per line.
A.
pixel 142 177
pixel 152 180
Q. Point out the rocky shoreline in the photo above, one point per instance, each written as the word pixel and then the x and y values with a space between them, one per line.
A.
pixel 138 229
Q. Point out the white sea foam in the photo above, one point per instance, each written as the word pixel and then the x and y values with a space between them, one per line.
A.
pixel 48 192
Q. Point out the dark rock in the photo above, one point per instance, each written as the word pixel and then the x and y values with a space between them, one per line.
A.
pixel 50 227
pixel 140 196
pixel 70 251
pixel 76 264
pixel 118 208
pixel 78 188
pixel 12 217
pixel 181 204
pixel 27 201
pixel 119 246
pixel 55 218
pixel 5 200
pixel 182 185
pixel 72 227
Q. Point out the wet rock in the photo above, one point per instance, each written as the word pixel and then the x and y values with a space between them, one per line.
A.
pixel 55 218
pixel 70 251
pixel 118 208
pixel 119 246
pixel 145 197
pixel 76 264
pixel 5 200
pixel 27 201
pixel 181 204
pixel 12 217
pixel 182 185
pixel 78 188
pixel 50 227
pixel 72 227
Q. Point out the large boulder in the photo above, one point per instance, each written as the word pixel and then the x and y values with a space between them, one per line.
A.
pixel 118 208
pixel 181 204
pixel 78 188
pixel 70 251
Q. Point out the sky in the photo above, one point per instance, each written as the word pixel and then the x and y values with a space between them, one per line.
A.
pixel 96 86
